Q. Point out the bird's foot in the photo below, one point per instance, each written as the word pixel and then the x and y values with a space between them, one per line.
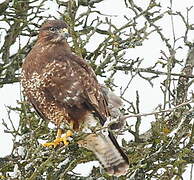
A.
pixel 60 138
pixel 66 137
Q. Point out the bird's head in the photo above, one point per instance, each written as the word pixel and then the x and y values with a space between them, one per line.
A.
pixel 54 31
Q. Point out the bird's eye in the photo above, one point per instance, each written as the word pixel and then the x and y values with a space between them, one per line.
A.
pixel 53 29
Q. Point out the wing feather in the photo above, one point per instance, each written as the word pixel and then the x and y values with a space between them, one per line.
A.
pixel 73 83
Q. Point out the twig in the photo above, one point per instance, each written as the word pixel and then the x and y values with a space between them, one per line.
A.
pixel 161 111
pixel 191 172
pixel 148 70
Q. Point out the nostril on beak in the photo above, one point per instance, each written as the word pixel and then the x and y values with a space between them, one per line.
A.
pixel 65 32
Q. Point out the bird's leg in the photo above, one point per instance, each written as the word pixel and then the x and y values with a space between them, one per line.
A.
pixel 56 141
pixel 60 138
pixel 69 133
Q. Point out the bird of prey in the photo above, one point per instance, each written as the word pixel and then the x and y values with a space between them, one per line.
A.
pixel 63 89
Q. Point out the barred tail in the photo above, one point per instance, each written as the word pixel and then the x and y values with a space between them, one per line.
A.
pixel 108 154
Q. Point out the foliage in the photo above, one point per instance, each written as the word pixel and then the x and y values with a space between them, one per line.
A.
pixel 164 151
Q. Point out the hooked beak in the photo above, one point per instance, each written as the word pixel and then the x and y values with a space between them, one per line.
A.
pixel 64 33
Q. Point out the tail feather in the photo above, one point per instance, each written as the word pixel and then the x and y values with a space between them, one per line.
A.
pixel 105 150
pixel 114 141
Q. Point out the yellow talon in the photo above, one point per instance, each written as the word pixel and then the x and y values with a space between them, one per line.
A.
pixel 64 138
pixel 60 139
pixel 69 133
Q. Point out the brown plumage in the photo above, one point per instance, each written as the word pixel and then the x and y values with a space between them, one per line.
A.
pixel 63 89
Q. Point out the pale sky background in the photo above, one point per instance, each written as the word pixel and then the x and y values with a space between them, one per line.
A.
pixel 150 51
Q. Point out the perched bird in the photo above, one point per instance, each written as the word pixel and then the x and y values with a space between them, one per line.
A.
pixel 63 89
